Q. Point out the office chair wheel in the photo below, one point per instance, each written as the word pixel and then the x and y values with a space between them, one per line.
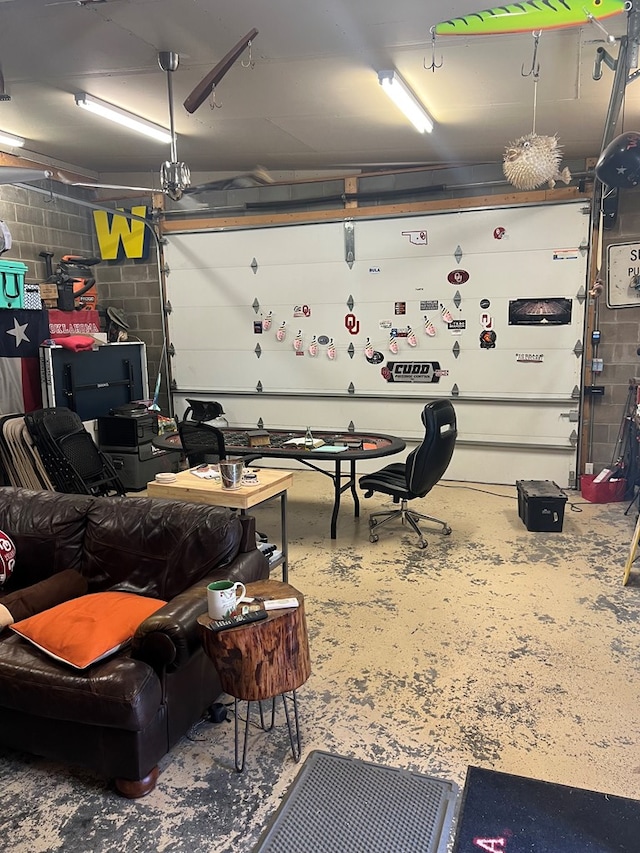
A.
pixel 446 530
pixel 374 537
pixel 422 544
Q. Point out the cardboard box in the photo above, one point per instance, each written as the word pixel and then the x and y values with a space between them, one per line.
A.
pixel 49 295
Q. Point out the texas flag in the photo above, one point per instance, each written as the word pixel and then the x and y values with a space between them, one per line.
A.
pixel 21 333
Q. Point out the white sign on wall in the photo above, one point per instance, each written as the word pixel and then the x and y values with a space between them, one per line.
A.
pixel 623 275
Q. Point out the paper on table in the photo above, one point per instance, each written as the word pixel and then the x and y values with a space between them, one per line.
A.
pixel 300 441
pixel 206 473
pixel 332 448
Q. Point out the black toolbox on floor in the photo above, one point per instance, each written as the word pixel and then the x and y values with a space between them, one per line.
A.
pixel 541 505
pixel 138 466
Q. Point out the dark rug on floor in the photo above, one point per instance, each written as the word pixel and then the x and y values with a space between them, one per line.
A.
pixel 502 813
pixel 345 805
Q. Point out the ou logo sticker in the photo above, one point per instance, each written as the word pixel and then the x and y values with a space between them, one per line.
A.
pixel 499 233
pixel 458 277
pixel 352 324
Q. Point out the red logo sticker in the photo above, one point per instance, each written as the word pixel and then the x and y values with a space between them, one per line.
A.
pixel 352 324
pixel 458 277
pixel 499 233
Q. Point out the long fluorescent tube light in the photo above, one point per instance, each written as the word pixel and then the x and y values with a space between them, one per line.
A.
pixel 10 139
pixel 405 100
pixel 102 108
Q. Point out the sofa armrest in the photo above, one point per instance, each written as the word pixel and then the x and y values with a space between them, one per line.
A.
pixel 170 636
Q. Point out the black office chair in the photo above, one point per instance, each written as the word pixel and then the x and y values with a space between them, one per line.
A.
pixel 204 410
pixel 201 443
pixel 204 443
pixel 406 481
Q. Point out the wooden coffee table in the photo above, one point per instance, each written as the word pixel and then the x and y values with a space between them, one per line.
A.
pixel 272 483
pixel 263 660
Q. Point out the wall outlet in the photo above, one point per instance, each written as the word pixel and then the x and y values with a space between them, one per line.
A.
pixel 588 467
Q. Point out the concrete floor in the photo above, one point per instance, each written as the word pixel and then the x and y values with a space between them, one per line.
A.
pixel 495 647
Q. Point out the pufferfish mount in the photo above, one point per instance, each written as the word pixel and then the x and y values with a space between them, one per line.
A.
pixel 533 160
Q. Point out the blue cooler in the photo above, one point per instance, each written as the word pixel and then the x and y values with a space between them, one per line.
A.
pixel 12 275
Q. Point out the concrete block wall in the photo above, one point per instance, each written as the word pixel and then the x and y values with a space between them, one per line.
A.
pixel 42 223
pixel 620 339
pixel 60 225
pixel 133 287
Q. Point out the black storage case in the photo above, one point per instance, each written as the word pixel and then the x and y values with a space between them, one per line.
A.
pixel 136 467
pixel 541 505
pixel 125 432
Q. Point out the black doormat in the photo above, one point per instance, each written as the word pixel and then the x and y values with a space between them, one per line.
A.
pixel 344 805
pixel 501 813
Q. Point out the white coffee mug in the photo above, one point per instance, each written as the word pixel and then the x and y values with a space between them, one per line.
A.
pixel 223 598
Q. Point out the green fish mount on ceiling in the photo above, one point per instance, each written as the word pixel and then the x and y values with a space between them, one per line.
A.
pixel 531 15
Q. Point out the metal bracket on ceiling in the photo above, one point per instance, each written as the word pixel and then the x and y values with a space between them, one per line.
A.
pixel 351 389
pixel 578 349
pixel 256 305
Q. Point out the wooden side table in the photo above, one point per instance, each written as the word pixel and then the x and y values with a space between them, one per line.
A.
pixel 263 660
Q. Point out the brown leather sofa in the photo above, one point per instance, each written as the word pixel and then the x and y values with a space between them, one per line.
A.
pixel 119 716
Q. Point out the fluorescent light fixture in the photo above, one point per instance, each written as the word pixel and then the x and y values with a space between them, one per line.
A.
pixel 133 122
pixel 395 87
pixel 10 139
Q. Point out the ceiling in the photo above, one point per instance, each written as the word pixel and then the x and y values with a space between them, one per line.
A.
pixel 309 99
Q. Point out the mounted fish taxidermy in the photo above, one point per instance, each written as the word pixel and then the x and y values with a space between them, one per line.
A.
pixel 534 160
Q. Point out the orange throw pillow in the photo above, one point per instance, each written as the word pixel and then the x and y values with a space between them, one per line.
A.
pixel 87 629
